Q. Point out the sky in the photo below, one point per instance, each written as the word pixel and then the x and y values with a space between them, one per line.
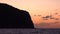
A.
pixel 41 11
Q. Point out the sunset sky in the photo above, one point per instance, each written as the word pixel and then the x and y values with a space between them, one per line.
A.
pixel 44 13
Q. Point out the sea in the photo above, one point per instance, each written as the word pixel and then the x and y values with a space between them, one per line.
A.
pixel 30 31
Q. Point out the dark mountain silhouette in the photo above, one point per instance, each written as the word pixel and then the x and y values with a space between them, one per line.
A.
pixel 11 17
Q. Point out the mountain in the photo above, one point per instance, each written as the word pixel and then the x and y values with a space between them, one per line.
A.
pixel 11 17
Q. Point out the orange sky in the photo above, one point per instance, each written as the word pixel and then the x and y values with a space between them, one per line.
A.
pixel 38 7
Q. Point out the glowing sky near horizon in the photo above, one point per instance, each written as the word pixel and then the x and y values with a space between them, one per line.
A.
pixel 37 8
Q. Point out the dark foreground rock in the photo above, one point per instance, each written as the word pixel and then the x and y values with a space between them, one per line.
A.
pixel 11 17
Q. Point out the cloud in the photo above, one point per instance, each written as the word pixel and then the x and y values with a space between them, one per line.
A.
pixel 51 18
pixel 46 17
pixel 39 15
pixel 44 24
pixel 56 18
pixel 56 13
pixel 56 22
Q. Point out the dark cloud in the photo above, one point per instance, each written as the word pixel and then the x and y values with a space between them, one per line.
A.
pixel 51 18
pixel 34 15
pixel 56 22
pixel 56 18
pixel 56 13
pixel 59 15
pixel 39 15
pixel 44 24
pixel 46 17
